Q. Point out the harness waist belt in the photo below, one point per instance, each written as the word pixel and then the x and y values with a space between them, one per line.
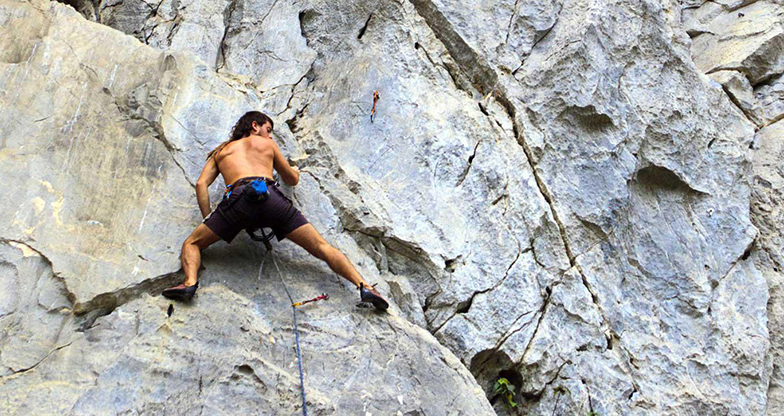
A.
pixel 247 179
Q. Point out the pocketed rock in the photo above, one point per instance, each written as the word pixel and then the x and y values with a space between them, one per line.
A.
pixel 557 191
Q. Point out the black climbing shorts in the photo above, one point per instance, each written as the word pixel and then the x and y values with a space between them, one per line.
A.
pixel 238 212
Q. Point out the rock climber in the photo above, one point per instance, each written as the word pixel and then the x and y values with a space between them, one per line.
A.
pixel 250 155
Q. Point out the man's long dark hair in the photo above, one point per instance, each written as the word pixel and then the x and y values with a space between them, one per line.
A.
pixel 243 128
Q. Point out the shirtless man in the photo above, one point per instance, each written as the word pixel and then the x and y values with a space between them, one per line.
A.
pixel 250 154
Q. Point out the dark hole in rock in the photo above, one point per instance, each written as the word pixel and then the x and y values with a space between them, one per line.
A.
pixel 450 265
pixel 245 369
pixel 463 307
pixel 306 23
pixel 588 118
pixel 746 253
pixel 514 377
pixel 656 176
pixel 88 318
pixel 85 7
pixel 490 364
pixel 634 390
pixel 763 183
pixel 364 27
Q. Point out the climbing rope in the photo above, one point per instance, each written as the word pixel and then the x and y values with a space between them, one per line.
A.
pixel 296 334
pixel 266 240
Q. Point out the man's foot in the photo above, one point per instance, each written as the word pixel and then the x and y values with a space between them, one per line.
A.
pixel 370 294
pixel 181 292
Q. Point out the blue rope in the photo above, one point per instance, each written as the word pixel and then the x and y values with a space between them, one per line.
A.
pixel 299 363
pixel 296 332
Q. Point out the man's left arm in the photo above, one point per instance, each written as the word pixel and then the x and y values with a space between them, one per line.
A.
pixel 207 177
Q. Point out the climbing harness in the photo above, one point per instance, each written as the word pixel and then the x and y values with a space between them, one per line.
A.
pixel 257 190
pixel 266 240
pixel 375 100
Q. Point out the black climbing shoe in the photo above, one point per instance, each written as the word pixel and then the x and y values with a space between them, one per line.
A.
pixel 371 295
pixel 181 292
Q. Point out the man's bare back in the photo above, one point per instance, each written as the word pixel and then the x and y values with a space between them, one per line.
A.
pixel 253 155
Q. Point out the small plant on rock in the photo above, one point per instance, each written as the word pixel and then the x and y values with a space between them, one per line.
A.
pixel 559 391
pixel 505 389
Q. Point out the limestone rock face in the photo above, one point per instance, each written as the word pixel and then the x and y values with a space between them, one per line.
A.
pixel 770 100
pixel 741 43
pixel 768 210
pixel 108 220
pixel 745 37
pixel 239 358
pixel 580 196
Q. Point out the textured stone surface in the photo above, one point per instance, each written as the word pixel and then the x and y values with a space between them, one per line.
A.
pixel 193 26
pixel 34 309
pixel 756 38
pixel 770 99
pixel 229 354
pixel 739 90
pixel 748 37
pixel 76 162
pixel 258 39
pixel 105 202
pixel 741 45
pixel 768 214
pixel 95 173
pixel 556 191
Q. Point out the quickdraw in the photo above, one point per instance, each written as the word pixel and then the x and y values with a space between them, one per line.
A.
pixel 376 96
pixel 323 296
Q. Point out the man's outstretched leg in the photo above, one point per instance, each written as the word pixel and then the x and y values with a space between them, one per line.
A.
pixel 308 238
pixel 201 238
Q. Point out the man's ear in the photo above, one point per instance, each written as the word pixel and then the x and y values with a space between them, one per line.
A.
pixel 255 128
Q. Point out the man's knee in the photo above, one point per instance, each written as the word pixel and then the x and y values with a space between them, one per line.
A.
pixel 190 242
pixel 200 239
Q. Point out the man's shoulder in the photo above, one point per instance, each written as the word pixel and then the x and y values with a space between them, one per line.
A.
pixel 262 143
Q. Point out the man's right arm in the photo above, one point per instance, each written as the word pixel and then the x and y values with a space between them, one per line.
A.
pixel 289 175
pixel 207 177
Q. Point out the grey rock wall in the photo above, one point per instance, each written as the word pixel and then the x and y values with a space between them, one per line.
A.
pixel 100 186
pixel 739 45
pixel 580 196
